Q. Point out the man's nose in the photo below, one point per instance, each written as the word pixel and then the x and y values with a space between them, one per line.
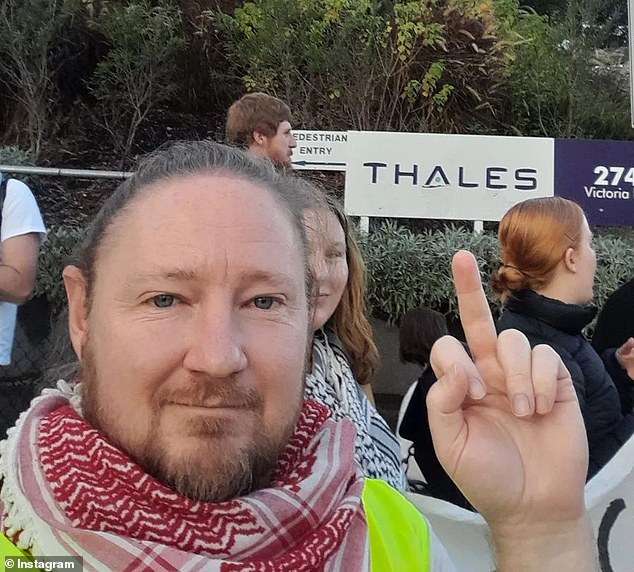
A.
pixel 216 347
pixel 293 142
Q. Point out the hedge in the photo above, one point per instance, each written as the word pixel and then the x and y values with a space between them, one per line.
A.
pixel 405 269
pixel 54 255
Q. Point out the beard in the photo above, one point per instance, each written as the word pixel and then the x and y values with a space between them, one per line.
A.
pixel 211 472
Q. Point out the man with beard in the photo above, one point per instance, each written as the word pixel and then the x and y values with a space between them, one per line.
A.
pixel 186 443
pixel 261 123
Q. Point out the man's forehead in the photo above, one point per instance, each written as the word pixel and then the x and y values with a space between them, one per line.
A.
pixel 243 274
pixel 180 227
pixel 221 201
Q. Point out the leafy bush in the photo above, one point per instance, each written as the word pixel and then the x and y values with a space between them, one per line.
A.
pixel 312 54
pixel 54 255
pixel 431 65
pixel 406 269
pixel 137 74
pixel 28 29
pixel 615 257
pixel 13 155
pixel 556 87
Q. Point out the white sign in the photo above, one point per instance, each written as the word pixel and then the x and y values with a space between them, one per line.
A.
pixel 464 177
pixel 609 500
pixel 320 150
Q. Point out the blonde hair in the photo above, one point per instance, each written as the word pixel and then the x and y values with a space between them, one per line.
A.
pixel 534 236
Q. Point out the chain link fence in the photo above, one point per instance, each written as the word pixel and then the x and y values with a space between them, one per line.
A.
pixel 20 381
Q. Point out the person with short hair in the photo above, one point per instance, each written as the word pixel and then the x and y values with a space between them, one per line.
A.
pixel 546 282
pixel 262 124
pixel 185 441
pixel 22 231
pixel 418 331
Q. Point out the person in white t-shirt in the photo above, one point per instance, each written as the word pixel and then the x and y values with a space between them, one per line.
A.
pixel 21 233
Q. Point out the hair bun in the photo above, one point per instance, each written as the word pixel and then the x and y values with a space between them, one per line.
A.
pixel 507 279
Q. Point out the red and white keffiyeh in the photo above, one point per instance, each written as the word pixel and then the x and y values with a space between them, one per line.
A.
pixel 67 490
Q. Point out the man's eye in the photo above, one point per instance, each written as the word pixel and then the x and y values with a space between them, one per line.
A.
pixel 163 300
pixel 263 302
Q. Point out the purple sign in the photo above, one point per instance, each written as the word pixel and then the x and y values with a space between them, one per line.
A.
pixel 599 175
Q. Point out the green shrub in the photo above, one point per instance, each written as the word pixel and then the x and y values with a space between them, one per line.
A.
pixel 13 155
pixel 138 72
pixel 556 87
pixel 54 255
pixel 28 29
pixel 615 264
pixel 432 65
pixel 313 54
pixel 406 269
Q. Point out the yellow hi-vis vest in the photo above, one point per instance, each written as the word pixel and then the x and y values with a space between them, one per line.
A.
pixel 8 549
pixel 399 534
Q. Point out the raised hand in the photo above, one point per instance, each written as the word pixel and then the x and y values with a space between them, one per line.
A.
pixel 506 425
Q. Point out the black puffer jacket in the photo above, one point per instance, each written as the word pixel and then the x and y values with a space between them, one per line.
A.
pixel 605 392
pixel 615 323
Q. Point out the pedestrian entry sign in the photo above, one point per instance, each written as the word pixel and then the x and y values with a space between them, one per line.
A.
pixel 320 150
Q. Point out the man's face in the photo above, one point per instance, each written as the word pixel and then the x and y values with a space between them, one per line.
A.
pixel 193 348
pixel 279 147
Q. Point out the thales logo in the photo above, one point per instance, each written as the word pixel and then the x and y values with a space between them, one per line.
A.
pixel 488 178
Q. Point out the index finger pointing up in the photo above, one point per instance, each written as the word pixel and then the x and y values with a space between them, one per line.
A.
pixel 475 314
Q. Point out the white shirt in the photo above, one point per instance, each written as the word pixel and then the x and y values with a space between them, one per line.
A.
pixel 20 215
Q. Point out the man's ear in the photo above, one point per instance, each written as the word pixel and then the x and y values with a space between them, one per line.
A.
pixel 571 260
pixel 259 139
pixel 77 295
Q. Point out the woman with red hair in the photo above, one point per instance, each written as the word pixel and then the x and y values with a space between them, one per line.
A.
pixel 546 282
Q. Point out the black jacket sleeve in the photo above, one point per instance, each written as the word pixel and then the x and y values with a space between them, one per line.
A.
pixel 601 451
pixel 615 323
pixel 624 384
pixel 415 427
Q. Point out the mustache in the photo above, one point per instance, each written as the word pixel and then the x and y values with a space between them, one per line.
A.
pixel 212 394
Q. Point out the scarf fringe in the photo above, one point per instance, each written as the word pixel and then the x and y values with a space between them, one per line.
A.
pixel 18 518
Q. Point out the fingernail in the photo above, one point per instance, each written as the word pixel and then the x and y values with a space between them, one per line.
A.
pixel 541 404
pixel 476 388
pixel 521 406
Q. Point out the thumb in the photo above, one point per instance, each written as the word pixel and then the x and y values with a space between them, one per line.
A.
pixel 627 346
pixel 444 409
